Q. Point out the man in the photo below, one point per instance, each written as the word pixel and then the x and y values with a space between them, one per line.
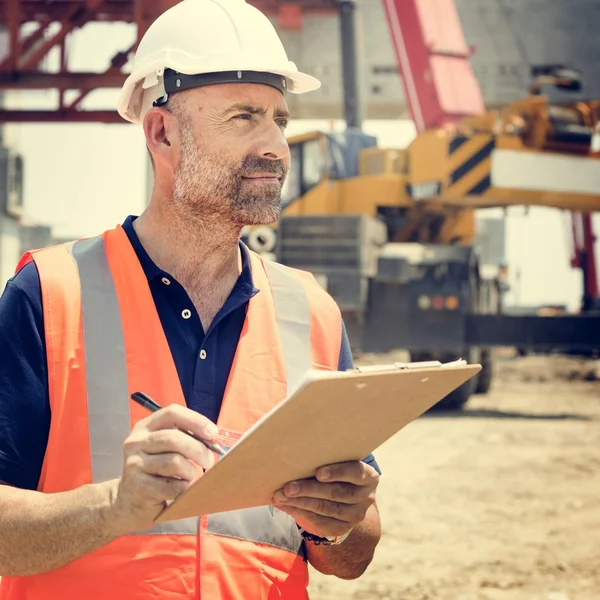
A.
pixel 172 304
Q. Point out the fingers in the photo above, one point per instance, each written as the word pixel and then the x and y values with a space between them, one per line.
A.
pixel 345 493
pixel 316 523
pixel 180 417
pixel 337 500
pixel 159 489
pixel 347 483
pixel 168 441
pixel 349 513
pixel 355 472
pixel 170 465
pixel 161 462
pixel 161 433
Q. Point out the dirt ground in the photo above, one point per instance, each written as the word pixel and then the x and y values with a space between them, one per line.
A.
pixel 498 502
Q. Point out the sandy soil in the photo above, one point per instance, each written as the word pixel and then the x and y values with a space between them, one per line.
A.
pixel 499 502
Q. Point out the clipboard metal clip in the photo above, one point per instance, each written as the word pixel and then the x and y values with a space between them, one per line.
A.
pixel 401 366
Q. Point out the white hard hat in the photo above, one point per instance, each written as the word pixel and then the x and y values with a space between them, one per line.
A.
pixel 203 42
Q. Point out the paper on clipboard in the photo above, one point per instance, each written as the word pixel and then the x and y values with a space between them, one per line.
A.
pixel 426 364
pixel 332 417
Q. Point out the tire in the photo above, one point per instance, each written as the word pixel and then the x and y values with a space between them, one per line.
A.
pixel 457 399
pixel 262 239
pixel 484 378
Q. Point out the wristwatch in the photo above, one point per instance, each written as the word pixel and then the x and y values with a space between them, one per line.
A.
pixel 323 541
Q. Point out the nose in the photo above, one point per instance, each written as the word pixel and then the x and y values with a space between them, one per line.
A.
pixel 273 143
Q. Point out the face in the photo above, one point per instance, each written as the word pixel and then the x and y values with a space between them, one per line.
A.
pixel 233 155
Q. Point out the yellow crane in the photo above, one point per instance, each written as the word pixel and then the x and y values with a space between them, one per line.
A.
pixel 530 153
pixel 390 232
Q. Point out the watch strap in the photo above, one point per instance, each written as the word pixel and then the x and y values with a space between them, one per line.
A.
pixel 323 541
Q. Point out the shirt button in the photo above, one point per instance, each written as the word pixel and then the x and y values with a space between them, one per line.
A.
pixel 187 313
pixel 166 281
pixel 202 354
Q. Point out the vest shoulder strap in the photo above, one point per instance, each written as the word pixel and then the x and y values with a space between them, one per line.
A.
pixel 61 297
pixel 325 318
pixel 61 305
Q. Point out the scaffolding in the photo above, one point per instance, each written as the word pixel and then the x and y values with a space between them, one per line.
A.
pixel 21 68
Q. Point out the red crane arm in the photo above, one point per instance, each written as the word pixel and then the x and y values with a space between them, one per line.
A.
pixel 433 59
pixel 441 89
pixel 584 257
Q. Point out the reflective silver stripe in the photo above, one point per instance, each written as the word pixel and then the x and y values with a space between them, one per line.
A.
pixel 106 366
pixel 106 371
pixel 293 321
pixel 183 527
pixel 108 399
pixel 257 525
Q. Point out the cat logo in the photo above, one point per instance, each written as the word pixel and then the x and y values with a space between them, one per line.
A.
pixel 424 190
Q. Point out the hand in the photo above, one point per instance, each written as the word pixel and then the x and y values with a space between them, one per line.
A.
pixel 332 503
pixel 160 464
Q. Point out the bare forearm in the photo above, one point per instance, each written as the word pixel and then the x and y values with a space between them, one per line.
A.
pixel 42 532
pixel 350 559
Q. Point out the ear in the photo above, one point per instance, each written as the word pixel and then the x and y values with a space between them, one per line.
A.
pixel 162 137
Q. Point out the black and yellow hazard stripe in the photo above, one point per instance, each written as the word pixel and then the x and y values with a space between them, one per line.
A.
pixel 470 165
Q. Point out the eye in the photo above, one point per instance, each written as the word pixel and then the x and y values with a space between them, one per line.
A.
pixel 283 123
pixel 244 117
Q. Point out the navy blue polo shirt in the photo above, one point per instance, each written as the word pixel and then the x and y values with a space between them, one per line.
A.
pixel 24 399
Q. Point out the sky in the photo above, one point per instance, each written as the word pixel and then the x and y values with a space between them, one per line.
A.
pixel 84 178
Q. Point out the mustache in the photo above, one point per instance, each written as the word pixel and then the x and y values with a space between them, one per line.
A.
pixel 257 164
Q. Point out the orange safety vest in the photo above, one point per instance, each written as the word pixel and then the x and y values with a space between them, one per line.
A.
pixel 104 341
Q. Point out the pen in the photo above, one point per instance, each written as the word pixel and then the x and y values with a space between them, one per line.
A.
pixel 147 402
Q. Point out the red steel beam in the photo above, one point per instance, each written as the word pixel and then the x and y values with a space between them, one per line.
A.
pixel 63 69
pixel 308 6
pixel 116 64
pixel 12 13
pixel 26 45
pixel 39 51
pixel 61 81
pixel 77 18
pixel 19 70
pixel 58 116
pixel 110 10
pixel 122 10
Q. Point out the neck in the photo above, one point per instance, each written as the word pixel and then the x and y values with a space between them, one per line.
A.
pixel 201 253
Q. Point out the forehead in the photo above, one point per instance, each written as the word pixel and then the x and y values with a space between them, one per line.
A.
pixel 225 95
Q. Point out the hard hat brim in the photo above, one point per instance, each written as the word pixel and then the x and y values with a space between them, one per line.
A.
pixel 297 83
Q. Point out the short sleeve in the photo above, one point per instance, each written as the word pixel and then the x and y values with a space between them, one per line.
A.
pixel 24 401
pixel 345 363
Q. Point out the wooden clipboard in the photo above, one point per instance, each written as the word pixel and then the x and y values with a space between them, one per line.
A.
pixel 332 417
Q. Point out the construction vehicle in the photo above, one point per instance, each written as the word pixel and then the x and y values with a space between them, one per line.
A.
pixel 390 233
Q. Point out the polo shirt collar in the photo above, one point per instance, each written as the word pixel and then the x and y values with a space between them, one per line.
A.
pixel 152 271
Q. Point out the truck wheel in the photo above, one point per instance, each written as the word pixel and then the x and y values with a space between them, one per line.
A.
pixel 458 398
pixel 485 376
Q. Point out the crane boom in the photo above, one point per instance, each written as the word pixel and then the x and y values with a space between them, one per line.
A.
pixel 433 60
pixel 441 89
